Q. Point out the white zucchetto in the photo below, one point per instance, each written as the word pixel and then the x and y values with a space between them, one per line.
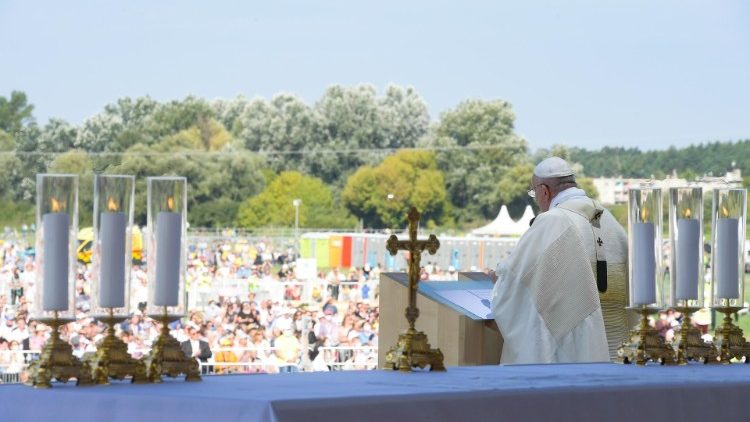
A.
pixel 552 168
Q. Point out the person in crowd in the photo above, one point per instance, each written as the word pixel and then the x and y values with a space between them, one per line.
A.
pixel 288 349
pixel 196 347
pixel 245 316
pixel 16 287
pixel 224 357
pixel 261 351
pixel 20 332
pixel 334 279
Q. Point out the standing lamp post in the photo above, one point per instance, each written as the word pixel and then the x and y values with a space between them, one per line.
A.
pixel 727 268
pixel 54 301
pixel 686 271
pixel 296 203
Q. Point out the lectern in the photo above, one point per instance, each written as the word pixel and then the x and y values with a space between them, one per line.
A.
pixel 455 316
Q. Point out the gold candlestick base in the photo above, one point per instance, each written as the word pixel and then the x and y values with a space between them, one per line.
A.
pixel 413 351
pixel 729 337
pixel 57 360
pixel 645 344
pixel 112 359
pixel 688 341
pixel 166 356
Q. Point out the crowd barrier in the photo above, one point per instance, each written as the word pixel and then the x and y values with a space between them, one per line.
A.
pixel 310 291
pixel 333 358
pixel 13 364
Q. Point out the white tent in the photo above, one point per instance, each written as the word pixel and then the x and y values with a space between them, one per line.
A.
pixel 503 224
pixel 525 220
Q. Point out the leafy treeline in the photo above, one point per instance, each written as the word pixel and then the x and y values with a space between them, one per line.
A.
pixel 354 156
pixel 714 158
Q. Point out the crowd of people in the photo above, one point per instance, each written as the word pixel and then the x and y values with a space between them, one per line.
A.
pixel 265 326
pixel 248 311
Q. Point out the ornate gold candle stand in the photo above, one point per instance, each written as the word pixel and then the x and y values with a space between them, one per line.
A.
pixel 166 356
pixel 730 339
pixel 412 349
pixel 645 344
pixel 112 359
pixel 57 360
pixel 688 341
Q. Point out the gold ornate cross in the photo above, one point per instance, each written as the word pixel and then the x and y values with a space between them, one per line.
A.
pixel 415 248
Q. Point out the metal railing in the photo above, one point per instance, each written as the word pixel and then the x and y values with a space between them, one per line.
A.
pixel 271 289
pixel 333 358
pixel 13 364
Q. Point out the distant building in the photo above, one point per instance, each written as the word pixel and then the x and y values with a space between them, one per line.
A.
pixel 614 190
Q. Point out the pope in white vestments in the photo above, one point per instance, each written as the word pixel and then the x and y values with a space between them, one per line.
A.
pixel 546 300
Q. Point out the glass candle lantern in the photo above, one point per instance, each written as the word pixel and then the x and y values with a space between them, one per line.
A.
pixel 686 244
pixel 644 243
pixel 728 246
pixel 167 236
pixel 56 237
pixel 112 252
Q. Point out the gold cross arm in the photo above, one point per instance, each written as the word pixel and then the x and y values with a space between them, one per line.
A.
pixel 432 244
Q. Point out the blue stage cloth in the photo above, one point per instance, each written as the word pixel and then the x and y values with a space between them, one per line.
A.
pixel 576 392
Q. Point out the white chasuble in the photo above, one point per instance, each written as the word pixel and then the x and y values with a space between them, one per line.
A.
pixel 614 242
pixel 545 301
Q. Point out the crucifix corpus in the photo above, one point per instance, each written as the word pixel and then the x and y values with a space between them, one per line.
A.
pixel 412 349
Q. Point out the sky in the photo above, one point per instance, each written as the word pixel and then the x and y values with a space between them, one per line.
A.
pixel 589 73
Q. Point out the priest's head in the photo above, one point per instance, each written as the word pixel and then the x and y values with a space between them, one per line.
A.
pixel 551 176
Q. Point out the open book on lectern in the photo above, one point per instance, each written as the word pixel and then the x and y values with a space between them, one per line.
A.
pixel 471 296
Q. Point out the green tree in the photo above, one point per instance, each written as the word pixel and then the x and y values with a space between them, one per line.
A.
pixel 479 145
pixel 231 112
pixel 273 207
pixel 36 148
pixel 358 127
pixel 205 135
pixel 512 189
pixel 404 116
pixel 283 130
pixel 587 184
pixel 230 177
pixel 15 113
pixel 7 143
pixel 11 168
pixel 119 126
pixel 221 212
pixel 350 121
pixel 381 196
pixel 11 176
pixel 174 116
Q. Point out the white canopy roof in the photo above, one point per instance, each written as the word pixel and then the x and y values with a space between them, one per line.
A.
pixel 503 224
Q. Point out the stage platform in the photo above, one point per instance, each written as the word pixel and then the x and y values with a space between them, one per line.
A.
pixel 576 392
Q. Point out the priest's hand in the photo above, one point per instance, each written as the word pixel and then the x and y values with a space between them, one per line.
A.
pixel 493 276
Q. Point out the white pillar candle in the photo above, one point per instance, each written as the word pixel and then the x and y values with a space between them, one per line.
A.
pixel 56 261
pixel 688 258
pixel 168 244
pixel 644 264
pixel 112 266
pixel 727 254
